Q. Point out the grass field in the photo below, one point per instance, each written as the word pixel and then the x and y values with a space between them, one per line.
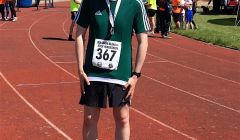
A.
pixel 215 29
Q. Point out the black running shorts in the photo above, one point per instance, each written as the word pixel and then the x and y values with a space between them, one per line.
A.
pixel 151 12
pixel 97 93
pixel 177 17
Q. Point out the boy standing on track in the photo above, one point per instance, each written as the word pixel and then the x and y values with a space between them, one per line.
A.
pixel 107 71
pixel 74 8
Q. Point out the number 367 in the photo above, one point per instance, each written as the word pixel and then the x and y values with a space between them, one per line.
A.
pixel 106 54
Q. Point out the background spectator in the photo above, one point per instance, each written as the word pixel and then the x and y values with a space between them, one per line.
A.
pixel 2 2
pixel 152 8
pixel 73 8
pixel 189 14
pixel 194 10
pixel 164 17
pixel 12 9
pixel 177 9
pixel 6 7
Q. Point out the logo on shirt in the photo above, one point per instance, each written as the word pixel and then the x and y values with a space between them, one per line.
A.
pixel 99 64
pixel 110 65
pixel 98 13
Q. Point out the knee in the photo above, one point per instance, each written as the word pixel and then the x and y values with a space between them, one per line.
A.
pixel 122 120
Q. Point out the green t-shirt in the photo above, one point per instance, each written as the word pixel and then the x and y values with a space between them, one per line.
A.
pixel 94 14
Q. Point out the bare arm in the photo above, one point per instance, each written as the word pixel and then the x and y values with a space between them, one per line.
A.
pixel 80 34
pixel 140 57
pixel 80 45
pixel 141 51
pixel 78 1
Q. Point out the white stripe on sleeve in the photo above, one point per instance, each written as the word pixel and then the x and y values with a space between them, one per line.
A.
pixel 144 14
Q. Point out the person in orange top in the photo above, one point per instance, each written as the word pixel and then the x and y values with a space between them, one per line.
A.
pixel 177 9
pixel 2 2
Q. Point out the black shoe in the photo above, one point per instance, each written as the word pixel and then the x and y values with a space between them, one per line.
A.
pixel 71 39
pixel 167 37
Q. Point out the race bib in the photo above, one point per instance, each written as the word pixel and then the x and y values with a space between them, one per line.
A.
pixel 106 54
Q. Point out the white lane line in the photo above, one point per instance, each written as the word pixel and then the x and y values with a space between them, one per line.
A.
pixel 63 26
pixel 206 73
pixel 163 124
pixel 34 109
pixel 194 52
pixel 160 61
pixel 194 95
pixel 66 62
pixel 43 84
pixel 34 45
pixel 152 62
pixel 2 24
pixel 52 56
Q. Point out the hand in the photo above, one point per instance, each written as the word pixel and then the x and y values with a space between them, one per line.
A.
pixel 149 5
pixel 131 86
pixel 83 79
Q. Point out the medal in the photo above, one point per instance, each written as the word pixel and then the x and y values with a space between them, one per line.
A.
pixel 112 30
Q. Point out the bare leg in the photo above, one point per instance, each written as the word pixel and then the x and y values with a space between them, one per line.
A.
pixel 152 23
pixel 121 117
pixel 91 117
pixel 71 28
pixel 70 38
pixel 178 25
pixel 194 24
pixel 191 25
pixel 186 25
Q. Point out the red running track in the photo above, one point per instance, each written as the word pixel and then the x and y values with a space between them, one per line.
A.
pixel 189 89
